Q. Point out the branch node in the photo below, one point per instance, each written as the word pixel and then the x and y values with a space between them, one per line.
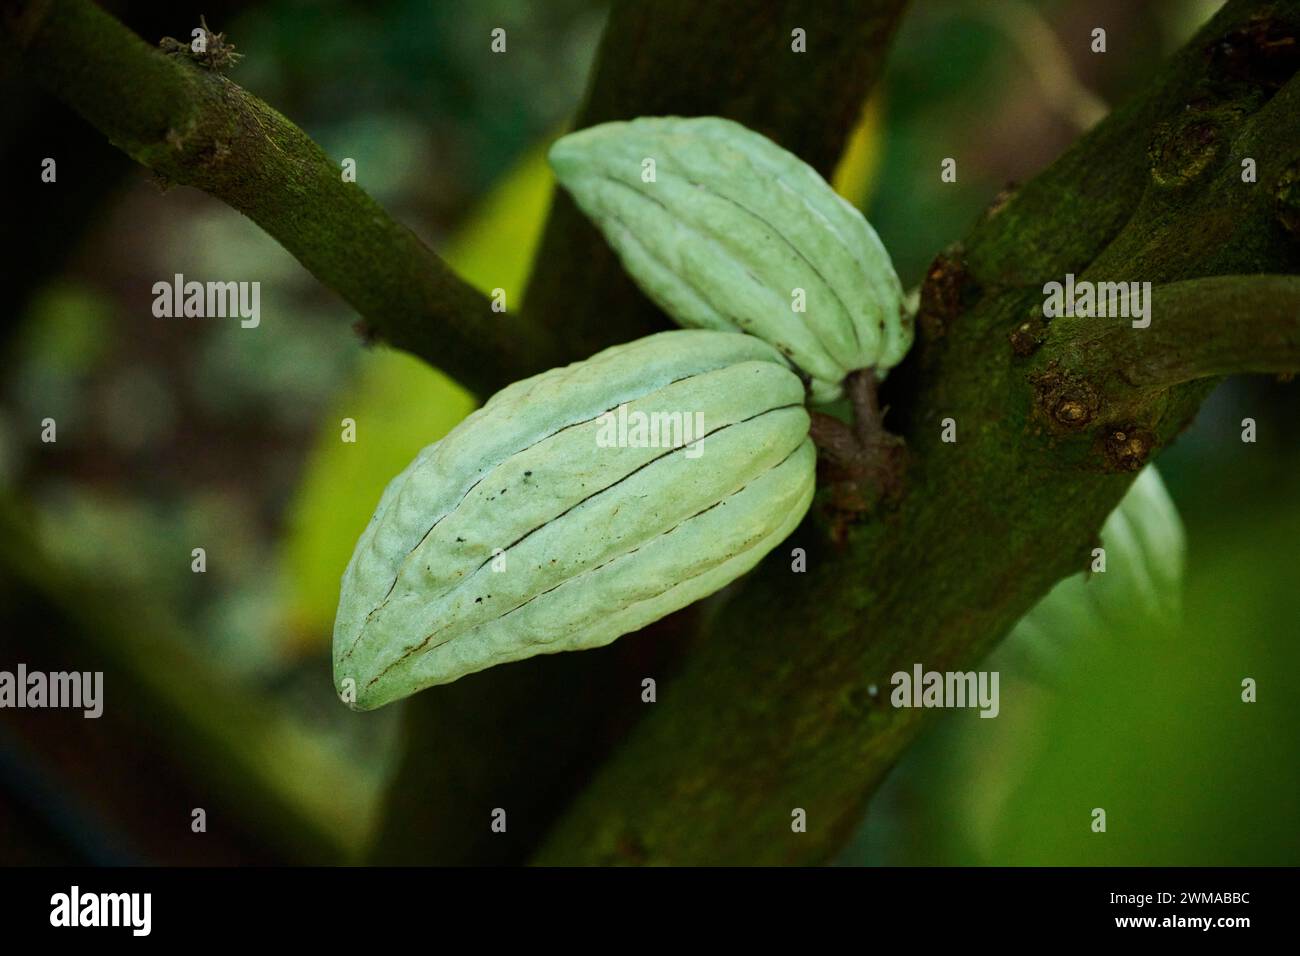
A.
pixel 946 292
pixel 1027 337
pixel 1127 447
pixel 1183 150
pixel 366 332
pixel 217 54
pixel 1069 401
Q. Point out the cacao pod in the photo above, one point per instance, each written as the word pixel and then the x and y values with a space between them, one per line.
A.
pixel 559 516
pixel 729 231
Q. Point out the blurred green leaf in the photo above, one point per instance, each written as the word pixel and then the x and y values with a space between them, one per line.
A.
pixel 1154 730
pixel 399 405
pixel 948 801
pixel 67 328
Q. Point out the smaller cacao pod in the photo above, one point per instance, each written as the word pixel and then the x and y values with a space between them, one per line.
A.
pixel 729 231
pixel 573 507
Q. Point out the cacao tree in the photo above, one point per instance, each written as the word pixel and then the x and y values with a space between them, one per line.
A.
pixel 769 704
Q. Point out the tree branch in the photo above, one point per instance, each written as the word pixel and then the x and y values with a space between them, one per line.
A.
pixel 1203 328
pixel 785 703
pixel 195 127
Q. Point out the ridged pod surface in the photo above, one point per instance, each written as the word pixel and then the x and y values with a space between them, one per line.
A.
pixel 729 228
pixel 535 527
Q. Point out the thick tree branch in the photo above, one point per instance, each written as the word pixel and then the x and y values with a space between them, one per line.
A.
pixel 91 169
pixel 195 127
pixel 785 703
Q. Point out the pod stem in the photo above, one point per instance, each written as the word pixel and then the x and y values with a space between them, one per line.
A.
pixel 864 462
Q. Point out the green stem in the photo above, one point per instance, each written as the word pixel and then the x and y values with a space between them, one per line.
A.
pixel 1202 328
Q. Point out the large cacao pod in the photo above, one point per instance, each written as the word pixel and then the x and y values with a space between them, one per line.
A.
pixel 553 519
pixel 724 229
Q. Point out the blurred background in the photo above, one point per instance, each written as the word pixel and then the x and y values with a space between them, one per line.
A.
pixel 175 435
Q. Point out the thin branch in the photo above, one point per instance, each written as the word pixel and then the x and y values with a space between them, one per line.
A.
pixel 1204 328
pixel 195 127
pixel 864 463
pixel 836 441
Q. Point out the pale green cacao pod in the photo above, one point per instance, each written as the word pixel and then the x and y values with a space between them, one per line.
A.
pixel 724 229
pixel 536 526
